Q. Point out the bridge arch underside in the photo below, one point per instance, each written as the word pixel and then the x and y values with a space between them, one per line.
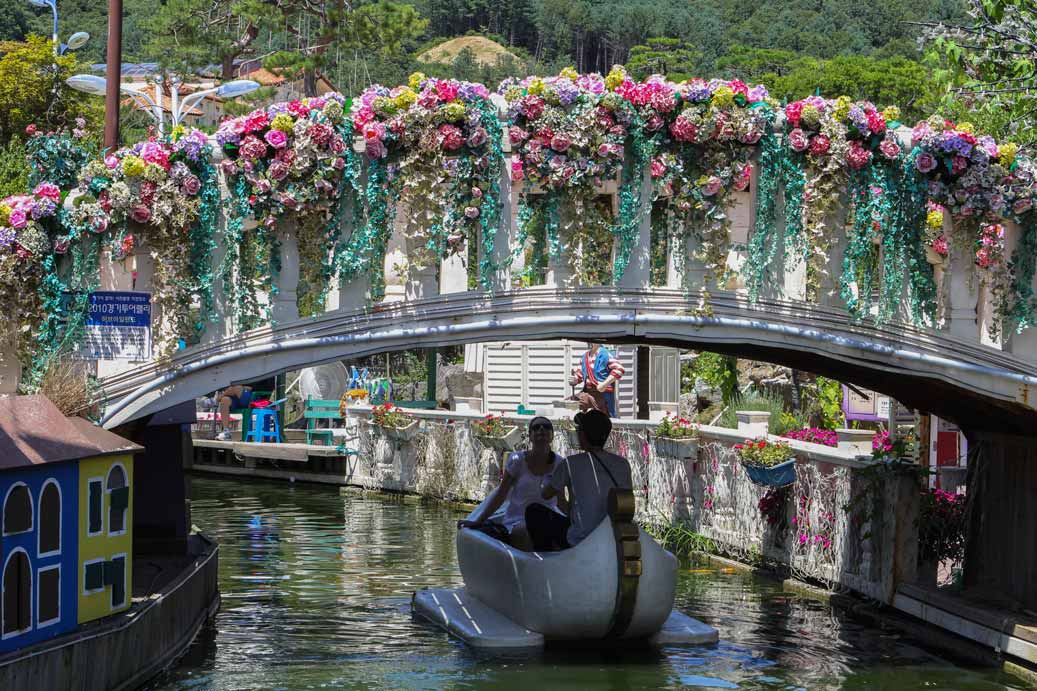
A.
pixel 977 387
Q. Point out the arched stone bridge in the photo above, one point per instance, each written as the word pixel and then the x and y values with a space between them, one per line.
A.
pixel 978 386
pixel 958 371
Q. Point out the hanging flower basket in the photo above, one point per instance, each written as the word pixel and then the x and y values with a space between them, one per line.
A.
pixel 677 448
pixel 780 475
pixel 509 441
pixel 763 462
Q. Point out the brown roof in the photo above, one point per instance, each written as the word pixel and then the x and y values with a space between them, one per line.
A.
pixel 33 431
pixel 104 441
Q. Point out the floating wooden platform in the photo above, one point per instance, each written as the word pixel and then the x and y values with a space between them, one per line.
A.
pixel 482 627
pixel 1005 632
pixel 280 452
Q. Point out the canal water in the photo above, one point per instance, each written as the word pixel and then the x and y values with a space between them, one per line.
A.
pixel 316 592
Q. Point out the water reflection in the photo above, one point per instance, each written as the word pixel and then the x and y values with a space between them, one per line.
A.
pixel 316 595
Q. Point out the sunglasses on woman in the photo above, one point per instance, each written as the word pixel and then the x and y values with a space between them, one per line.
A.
pixel 540 426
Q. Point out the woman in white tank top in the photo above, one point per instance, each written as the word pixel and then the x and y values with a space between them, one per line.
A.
pixel 520 485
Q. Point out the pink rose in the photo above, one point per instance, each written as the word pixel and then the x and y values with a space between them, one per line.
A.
pixel 798 140
pixel 111 161
pixel 663 101
pixel 516 134
pixel 959 164
pixel 683 129
pixel 560 143
pixel 140 213
pixel 925 162
pixel 857 156
pixel 471 212
pixel 477 138
pixel 376 149
pixel 742 180
pixel 516 170
pixel 451 137
pixel 374 130
pixel 654 123
pixel 278 170
pixel 48 190
pixel 532 107
pixel 890 149
pixel 288 201
pixel 276 139
pixel 61 245
pixel 339 163
pixel 191 185
pixel 819 145
pixel 17 219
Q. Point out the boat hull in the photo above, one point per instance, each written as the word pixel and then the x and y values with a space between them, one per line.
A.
pixel 567 595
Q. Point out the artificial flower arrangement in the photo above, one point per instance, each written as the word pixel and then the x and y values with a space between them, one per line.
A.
pixel 152 195
pixel 440 138
pixel 703 135
pixel 569 137
pixel 24 243
pixel 832 145
pixel 288 160
pixel 289 156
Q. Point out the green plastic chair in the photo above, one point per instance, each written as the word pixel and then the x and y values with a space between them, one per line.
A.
pixel 318 410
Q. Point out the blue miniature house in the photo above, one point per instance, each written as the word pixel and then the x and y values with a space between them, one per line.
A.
pixel 40 450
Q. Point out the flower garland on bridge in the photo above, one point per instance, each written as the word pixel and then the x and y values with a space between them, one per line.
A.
pixel 290 160
pixel 979 182
pixel 153 194
pixel 441 138
pixel 569 135
pixel 703 135
pixel 25 243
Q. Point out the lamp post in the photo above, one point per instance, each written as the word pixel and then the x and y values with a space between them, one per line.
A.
pixel 92 84
pixel 76 40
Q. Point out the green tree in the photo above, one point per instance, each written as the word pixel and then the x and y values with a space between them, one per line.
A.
pixel 989 66
pixel 669 56
pixel 14 169
pixel 33 90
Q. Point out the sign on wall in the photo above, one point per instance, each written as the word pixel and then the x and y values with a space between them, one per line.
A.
pixel 118 326
pixel 870 406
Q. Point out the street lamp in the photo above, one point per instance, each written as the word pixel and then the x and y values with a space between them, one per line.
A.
pixel 76 40
pixel 92 84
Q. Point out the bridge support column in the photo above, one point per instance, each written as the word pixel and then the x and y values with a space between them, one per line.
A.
pixel 453 272
pixel 421 281
pixel 962 289
pixel 10 370
pixel 500 253
pixel 285 307
pixel 694 275
pixel 638 272
pixel 742 212
pixel 218 325
pixel 831 293
pixel 1024 344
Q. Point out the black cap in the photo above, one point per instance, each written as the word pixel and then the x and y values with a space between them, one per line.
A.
pixel 595 424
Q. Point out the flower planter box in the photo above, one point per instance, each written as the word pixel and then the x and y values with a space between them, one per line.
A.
pixel 676 448
pixel 779 475
pixel 509 442
pixel 399 434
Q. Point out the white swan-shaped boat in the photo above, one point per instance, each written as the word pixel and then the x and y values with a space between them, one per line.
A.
pixel 617 584
pixel 572 594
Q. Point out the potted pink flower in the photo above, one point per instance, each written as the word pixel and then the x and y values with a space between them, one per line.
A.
pixel 494 432
pixel 677 437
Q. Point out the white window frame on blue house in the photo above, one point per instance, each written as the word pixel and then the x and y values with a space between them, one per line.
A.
pixel 3 572
pixel 49 622
pixel 39 519
pixel 32 509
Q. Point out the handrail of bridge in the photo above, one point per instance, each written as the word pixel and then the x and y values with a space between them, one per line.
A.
pixel 815 453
